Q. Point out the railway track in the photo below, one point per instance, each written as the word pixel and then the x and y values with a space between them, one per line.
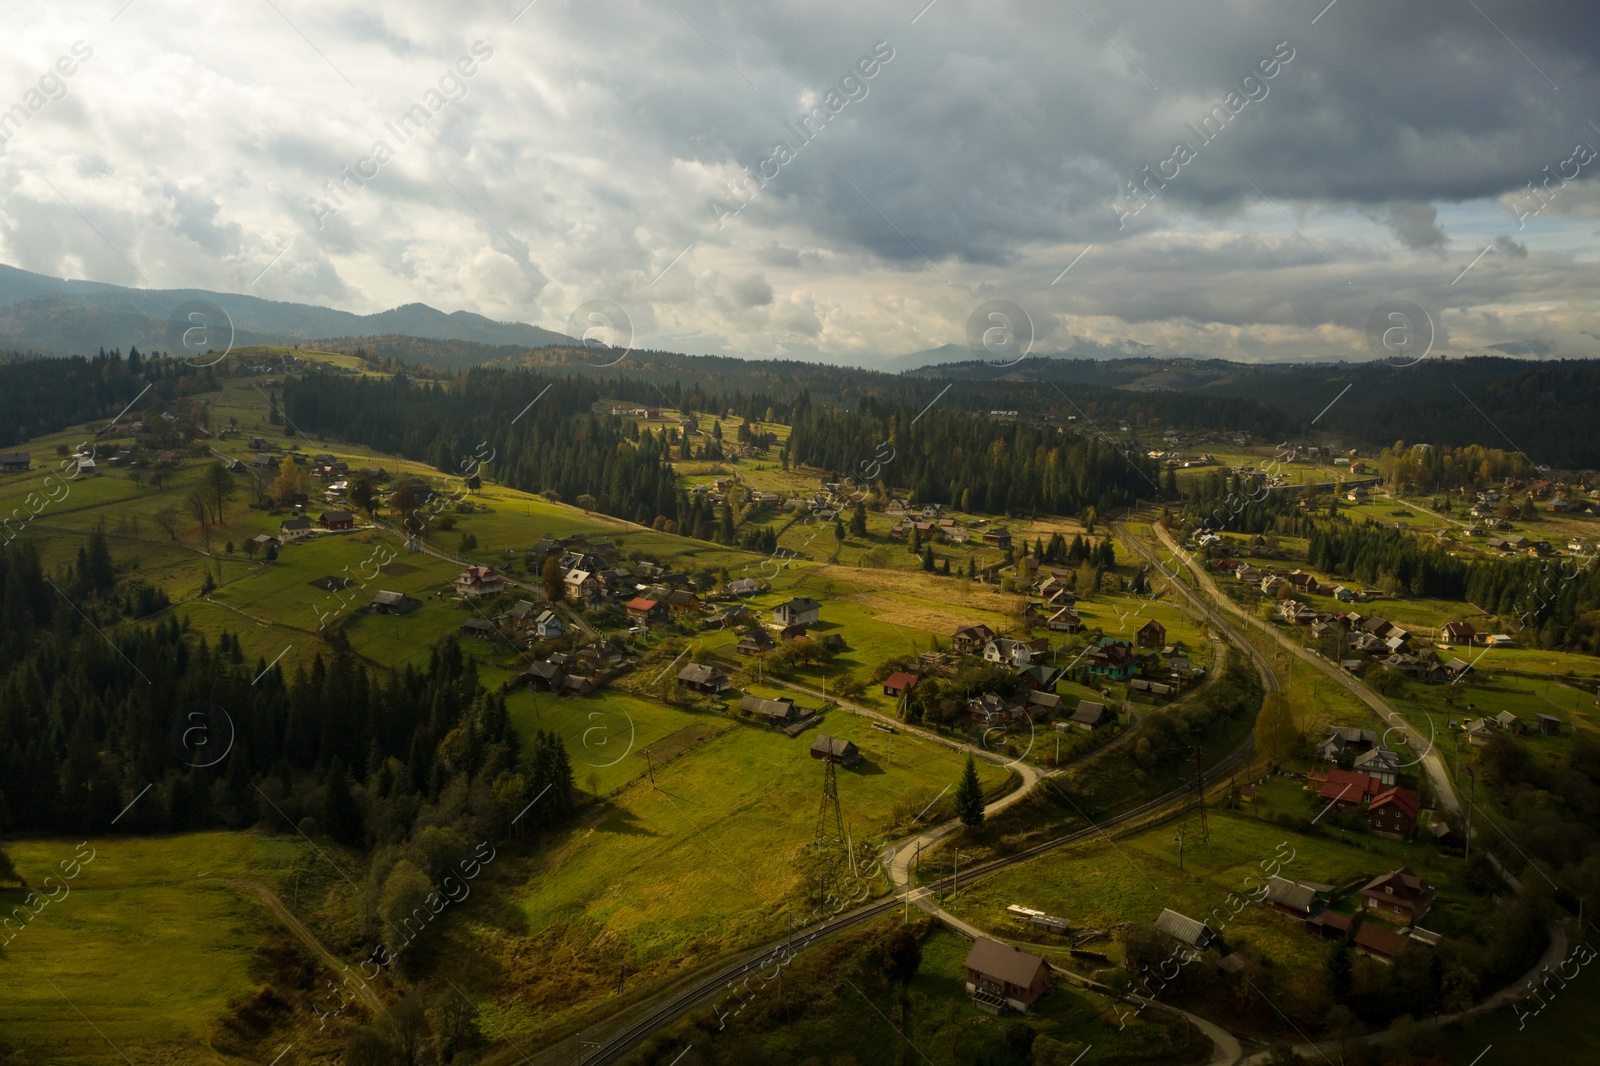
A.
pixel 708 988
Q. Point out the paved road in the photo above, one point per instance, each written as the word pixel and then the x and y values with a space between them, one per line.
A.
pixel 1432 760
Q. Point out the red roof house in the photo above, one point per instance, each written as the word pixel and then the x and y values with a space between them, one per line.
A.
pixel 1383 944
pixel 1398 895
pixel 1348 786
pixel 898 682
pixel 1393 814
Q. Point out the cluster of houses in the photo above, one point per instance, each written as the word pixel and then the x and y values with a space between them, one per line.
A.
pixel 577 673
pixel 1399 897
pixel 1479 731
pixel 1166 666
pixel 1272 580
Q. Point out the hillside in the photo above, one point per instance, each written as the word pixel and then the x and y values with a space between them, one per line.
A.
pixel 52 316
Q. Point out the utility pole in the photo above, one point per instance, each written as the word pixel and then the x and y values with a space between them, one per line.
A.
pixel 1472 789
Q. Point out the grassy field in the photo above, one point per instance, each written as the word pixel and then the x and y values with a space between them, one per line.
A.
pixel 659 876
pixel 142 908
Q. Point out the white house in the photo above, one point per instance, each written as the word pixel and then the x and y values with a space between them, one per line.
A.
pixel 800 611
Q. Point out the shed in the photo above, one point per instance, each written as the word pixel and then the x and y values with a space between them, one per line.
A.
pixel 835 749
pixel 1181 927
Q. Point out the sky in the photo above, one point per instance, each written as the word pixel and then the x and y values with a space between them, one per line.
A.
pixel 835 181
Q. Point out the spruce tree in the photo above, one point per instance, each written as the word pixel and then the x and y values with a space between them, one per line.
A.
pixel 969 795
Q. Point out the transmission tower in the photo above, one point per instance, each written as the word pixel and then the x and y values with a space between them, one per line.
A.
pixel 830 820
pixel 1194 814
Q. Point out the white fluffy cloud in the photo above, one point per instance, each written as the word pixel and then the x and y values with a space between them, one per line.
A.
pixel 630 152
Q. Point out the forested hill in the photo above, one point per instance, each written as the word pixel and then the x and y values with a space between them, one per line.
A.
pixel 544 439
pixel 41 396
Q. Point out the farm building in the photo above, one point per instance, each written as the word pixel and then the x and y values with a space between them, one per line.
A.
pixel 778 712
pixel 703 678
pixel 479 627
pixel 1379 943
pixel 837 749
pixel 393 603
pixel 1183 928
pixel 1090 716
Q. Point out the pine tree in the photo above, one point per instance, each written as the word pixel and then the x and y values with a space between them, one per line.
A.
pixel 969 795
pixel 340 815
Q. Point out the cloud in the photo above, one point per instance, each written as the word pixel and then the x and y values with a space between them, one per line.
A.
pixel 982 160
pixel 752 291
pixel 1415 225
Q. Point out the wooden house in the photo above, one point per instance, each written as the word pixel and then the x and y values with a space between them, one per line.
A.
pixel 1001 976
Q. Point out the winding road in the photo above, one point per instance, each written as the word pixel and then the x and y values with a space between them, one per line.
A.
pixel 1431 760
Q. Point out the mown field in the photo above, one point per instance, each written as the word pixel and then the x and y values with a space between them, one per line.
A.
pixel 148 943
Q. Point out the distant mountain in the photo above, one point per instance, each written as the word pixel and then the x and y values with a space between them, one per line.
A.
pixel 961 353
pixel 52 316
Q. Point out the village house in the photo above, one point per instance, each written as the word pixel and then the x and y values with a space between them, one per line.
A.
pixel 478 581
pixel 1346 740
pixel 548 625
pixel 755 642
pixel 1507 722
pixel 990 709
pixel 294 529
pixel 1381 763
pixel 704 679
pixel 1015 652
pixel 800 611
pixel 519 616
pixel 998 537
pixel 1378 942
pixel 972 638
pixel 1112 659
pixel 681 601
pixel 1065 620
pixel 898 682
pixel 1393 814
pixel 1459 633
pixel 15 462
pixel 1398 895
pixel 581 585
pixel 1000 976
pixel 744 586
pixel 1346 787
pixel 644 609
pixel 1151 635
pixel 337 520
